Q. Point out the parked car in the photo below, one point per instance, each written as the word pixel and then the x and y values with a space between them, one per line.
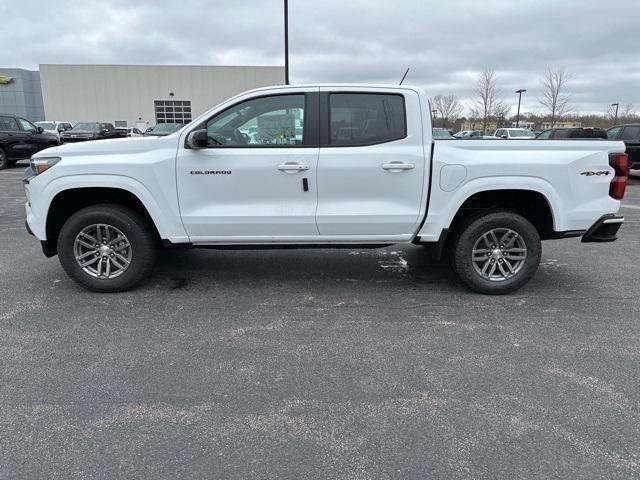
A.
pixel 514 134
pixel 81 132
pixel 105 207
pixel 442 134
pixel 19 139
pixel 55 128
pixel 469 134
pixel 630 135
pixel 163 129
pixel 128 132
pixel 572 132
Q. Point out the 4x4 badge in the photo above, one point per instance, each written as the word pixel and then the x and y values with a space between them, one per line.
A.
pixel 596 174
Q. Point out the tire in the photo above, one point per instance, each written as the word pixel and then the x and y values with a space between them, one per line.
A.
pixel 4 163
pixel 495 271
pixel 113 228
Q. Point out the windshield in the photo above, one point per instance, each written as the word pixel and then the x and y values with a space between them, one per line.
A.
pixel 167 127
pixel 46 125
pixel 87 127
pixel 522 133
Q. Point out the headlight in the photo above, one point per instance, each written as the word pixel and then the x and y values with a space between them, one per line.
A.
pixel 40 164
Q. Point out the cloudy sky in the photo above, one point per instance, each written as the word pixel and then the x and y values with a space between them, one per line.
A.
pixel 444 43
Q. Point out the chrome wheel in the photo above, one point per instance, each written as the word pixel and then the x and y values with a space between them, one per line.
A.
pixel 102 251
pixel 499 254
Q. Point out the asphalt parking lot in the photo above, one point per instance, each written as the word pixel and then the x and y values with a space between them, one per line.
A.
pixel 348 364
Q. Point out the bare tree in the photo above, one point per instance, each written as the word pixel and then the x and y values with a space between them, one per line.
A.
pixel 554 100
pixel 625 112
pixel 488 97
pixel 447 107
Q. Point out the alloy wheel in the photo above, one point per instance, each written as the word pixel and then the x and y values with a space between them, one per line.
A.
pixel 102 251
pixel 499 254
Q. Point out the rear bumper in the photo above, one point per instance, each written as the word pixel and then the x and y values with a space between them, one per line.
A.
pixel 604 230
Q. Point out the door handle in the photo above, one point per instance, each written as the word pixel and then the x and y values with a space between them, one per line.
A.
pixel 292 167
pixel 398 166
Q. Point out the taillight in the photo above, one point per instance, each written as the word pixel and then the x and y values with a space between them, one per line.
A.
pixel 620 163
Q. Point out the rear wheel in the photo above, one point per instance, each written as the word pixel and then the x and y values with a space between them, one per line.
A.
pixel 4 163
pixel 107 248
pixel 496 253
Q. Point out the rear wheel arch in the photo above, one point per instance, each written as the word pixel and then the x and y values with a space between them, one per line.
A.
pixel 67 202
pixel 531 204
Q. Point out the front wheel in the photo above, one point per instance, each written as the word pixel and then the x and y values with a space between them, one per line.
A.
pixel 107 248
pixel 496 253
pixel 4 163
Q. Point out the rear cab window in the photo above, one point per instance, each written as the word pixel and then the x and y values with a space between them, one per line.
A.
pixel 359 119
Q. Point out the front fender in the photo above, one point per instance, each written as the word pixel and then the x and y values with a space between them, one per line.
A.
pixel 162 210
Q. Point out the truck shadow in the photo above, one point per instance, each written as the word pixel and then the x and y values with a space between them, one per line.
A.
pixel 199 268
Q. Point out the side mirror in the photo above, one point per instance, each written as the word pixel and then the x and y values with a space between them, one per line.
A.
pixel 40 129
pixel 103 131
pixel 504 135
pixel 198 139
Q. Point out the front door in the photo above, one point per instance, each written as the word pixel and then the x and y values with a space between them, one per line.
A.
pixel 371 170
pixel 33 141
pixel 256 180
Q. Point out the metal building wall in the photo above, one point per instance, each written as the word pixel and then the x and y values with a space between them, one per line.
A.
pixel 23 95
pixel 127 92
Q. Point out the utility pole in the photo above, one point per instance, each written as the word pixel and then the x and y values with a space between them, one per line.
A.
pixel 434 111
pixel 519 92
pixel 615 119
pixel 286 42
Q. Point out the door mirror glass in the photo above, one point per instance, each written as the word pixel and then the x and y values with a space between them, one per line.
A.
pixel 40 129
pixel 198 139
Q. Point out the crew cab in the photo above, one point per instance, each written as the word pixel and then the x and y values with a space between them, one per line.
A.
pixel 309 166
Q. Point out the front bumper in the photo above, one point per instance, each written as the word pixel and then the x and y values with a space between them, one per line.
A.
pixel 604 230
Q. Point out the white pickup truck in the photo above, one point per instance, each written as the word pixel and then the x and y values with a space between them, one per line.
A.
pixel 310 166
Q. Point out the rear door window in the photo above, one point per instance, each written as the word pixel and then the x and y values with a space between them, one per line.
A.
pixel 9 124
pixel 357 119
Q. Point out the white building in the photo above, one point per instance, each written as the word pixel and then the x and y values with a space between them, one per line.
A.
pixel 140 95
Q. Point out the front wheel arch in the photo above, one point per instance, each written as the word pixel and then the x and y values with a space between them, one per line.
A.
pixel 70 201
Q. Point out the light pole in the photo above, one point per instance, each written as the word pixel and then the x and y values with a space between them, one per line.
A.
pixel 286 42
pixel 615 118
pixel 519 92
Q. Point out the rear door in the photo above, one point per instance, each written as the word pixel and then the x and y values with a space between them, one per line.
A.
pixel 13 139
pixel 371 169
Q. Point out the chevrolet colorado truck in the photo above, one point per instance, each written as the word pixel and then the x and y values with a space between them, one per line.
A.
pixel 313 166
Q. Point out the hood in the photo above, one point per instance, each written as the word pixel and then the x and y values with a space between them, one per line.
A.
pixel 111 146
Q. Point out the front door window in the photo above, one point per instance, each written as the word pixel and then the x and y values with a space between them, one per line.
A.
pixel 276 121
